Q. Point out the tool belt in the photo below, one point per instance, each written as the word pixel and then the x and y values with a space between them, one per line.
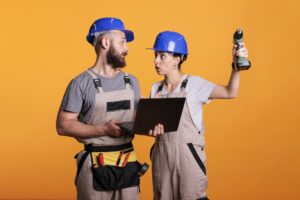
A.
pixel 113 167
pixel 119 156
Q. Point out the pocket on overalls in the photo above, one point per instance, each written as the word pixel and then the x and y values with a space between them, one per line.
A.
pixel 107 177
pixel 197 157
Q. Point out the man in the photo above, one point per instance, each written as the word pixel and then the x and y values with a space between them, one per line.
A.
pixel 94 105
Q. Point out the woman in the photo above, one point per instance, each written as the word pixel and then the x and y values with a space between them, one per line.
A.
pixel 178 158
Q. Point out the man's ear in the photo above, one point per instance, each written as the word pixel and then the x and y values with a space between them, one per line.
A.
pixel 105 42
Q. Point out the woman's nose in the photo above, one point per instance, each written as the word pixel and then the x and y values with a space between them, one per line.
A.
pixel 156 60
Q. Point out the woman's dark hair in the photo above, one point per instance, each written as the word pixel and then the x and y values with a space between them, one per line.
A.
pixel 182 58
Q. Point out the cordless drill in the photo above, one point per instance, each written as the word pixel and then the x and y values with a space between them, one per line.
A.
pixel 242 63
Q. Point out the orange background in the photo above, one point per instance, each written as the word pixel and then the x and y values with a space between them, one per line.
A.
pixel 252 141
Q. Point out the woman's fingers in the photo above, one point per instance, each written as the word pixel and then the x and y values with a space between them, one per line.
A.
pixel 158 130
pixel 243 52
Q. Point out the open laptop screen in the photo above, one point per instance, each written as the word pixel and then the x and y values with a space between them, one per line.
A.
pixel 150 112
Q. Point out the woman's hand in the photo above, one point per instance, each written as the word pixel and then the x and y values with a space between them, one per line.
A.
pixel 241 52
pixel 157 131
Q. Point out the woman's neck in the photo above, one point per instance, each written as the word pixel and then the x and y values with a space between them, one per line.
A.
pixel 172 80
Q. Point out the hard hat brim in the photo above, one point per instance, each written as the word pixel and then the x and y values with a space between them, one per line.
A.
pixel 128 34
pixel 165 51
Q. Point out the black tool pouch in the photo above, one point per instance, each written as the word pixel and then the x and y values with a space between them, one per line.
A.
pixel 106 178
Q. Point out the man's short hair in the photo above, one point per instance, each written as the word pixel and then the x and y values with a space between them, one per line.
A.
pixel 98 36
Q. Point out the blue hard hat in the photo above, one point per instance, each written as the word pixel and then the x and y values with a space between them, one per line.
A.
pixel 107 24
pixel 169 41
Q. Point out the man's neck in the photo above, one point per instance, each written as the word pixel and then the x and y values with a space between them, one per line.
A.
pixel 102 68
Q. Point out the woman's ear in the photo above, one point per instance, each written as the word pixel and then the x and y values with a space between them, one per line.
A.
pixel 177 59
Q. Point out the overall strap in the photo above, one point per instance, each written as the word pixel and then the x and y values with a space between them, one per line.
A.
pixel 127 81
pixel 96 80
pixel 182 87
pixel 160 87
pixel 184 83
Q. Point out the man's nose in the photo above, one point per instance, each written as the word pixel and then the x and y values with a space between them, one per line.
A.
pixel 126 48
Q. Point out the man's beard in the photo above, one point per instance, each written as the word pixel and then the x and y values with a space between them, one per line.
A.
pixel 115 59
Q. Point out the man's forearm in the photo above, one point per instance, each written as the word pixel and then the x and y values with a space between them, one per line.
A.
pixel 74 128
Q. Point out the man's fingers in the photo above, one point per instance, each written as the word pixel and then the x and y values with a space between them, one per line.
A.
pixel 114 121
pixel 118 133
pixel 114 124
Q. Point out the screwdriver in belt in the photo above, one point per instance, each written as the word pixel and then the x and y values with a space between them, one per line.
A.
pixel 126 159
pixel 119 158
pixel 101 159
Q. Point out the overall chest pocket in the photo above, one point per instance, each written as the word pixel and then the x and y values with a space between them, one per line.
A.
pixel 118 105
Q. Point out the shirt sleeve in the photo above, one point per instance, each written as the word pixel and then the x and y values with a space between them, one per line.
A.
pixel 73 98
pixel 201 89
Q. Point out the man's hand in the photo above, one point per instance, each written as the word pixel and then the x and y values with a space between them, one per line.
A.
pixel 112 129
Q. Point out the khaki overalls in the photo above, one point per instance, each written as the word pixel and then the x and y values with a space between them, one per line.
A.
pixel 105 158
pixel 178 158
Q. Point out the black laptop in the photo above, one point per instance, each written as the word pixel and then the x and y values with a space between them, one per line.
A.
pixel 150 112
